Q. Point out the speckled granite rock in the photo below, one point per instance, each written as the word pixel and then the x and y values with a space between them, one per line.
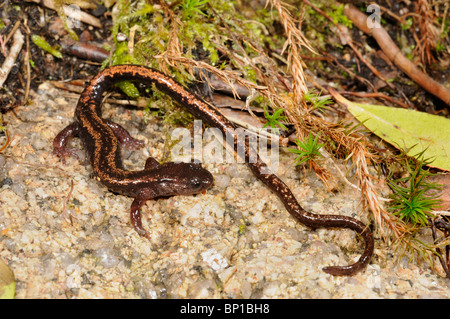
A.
pixel 235 241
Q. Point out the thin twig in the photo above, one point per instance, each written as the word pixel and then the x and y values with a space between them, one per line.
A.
pixel 12 56
pixel 26 61
pixel 8 140
pixel 438 250
pixel 393 52
pixel 13 30
pixel 349 41
pixel 377 95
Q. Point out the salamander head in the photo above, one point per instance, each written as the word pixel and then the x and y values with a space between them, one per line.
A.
pixel 183 179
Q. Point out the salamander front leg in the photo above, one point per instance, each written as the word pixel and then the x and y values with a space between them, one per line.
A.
pixel 135 213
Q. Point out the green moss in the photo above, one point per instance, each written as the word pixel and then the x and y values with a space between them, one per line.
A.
pixel 44 45
pixel 192 8
pixel 414 196
pixel 337 13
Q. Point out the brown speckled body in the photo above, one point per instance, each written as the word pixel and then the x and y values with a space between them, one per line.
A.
pixel 101 141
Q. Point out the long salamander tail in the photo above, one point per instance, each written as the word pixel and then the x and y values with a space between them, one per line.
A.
pixel 352 269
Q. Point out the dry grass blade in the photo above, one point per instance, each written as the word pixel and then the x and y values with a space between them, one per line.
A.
pixel 294 42
pixel 382 217
pixel 429 36
pixel 293 109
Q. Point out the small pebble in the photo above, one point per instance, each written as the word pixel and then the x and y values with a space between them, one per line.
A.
pixel 107 257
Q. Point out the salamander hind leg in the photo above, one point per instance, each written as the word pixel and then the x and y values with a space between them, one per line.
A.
pixel 135 212
pixel 151 163
pixel 124 137
pixel 60 142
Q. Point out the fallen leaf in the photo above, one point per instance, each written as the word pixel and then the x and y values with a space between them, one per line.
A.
pixel 7 282
pixel 405 129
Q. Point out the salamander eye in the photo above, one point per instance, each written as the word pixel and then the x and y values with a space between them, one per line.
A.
pixel 195 183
